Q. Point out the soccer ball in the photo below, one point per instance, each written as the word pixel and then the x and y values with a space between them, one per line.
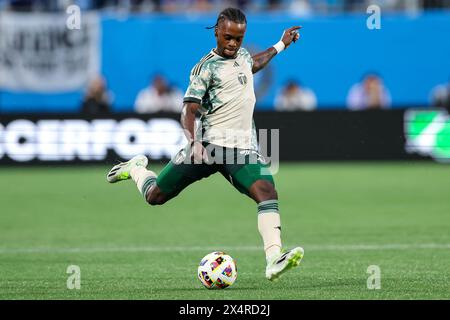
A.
pixel 217 270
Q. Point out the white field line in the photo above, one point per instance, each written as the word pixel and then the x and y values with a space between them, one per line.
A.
pixel 312 247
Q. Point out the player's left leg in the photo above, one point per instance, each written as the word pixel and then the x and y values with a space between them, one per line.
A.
pixel 269 226
pixel 256 181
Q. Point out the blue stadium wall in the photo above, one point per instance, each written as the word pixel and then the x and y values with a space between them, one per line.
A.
pixel 410 52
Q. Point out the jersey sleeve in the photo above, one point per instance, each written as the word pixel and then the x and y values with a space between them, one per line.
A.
pixel 199 82
pixel 248 57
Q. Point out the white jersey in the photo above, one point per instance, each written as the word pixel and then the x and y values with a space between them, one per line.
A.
pixel 224 89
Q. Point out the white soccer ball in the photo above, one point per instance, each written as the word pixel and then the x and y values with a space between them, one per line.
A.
pixel 217 270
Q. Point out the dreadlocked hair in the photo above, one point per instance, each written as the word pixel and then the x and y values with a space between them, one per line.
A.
pixel 231 14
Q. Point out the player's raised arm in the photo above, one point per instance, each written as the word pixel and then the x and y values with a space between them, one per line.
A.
pixel 260 60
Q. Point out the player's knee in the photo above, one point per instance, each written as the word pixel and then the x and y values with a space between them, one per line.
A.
pixel 154 201
pixel 155 197
pixel 264 190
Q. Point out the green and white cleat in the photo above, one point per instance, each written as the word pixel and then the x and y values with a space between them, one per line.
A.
pixel 283 262
pixel 121 171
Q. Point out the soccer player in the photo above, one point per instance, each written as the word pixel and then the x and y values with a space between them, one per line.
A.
pixel 221 90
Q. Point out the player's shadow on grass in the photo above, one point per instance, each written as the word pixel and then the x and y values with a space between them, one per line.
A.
pixel 282 284
pixel 234 288
pixel 327 283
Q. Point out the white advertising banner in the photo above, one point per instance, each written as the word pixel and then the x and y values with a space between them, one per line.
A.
pixel 39 53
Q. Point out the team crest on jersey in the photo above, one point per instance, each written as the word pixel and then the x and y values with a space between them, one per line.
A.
pixel 242 78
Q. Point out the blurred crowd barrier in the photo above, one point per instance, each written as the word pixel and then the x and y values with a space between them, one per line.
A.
pixel 297 136
pixel 302 7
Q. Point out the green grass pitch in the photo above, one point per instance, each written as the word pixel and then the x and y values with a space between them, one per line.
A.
pixel 347 216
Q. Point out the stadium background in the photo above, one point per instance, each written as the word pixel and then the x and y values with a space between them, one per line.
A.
pixel 390 209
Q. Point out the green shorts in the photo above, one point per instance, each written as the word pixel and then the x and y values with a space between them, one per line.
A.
pixel 240 167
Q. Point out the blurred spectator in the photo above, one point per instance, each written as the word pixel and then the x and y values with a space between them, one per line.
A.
pixel 354 5
pixel 370 93
pixel 274 4
pixel 440 96
pixel 21 5
pixel 202 6
pixel 97 99
pixel 435 4
pixel 159 96
pixel 295 97
pixel 297 7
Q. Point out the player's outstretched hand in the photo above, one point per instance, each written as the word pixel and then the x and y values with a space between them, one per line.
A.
pixel 291 35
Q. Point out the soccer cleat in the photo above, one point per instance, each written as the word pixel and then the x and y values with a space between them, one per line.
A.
pixel 283 262
pixel 121 171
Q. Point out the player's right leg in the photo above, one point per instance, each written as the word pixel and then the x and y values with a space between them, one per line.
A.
pixel 176 176
pixel 158 189
pixel 122 171
pixel 136 169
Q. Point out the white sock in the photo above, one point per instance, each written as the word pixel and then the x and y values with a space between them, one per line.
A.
pixel 269 226
pixel 143 178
